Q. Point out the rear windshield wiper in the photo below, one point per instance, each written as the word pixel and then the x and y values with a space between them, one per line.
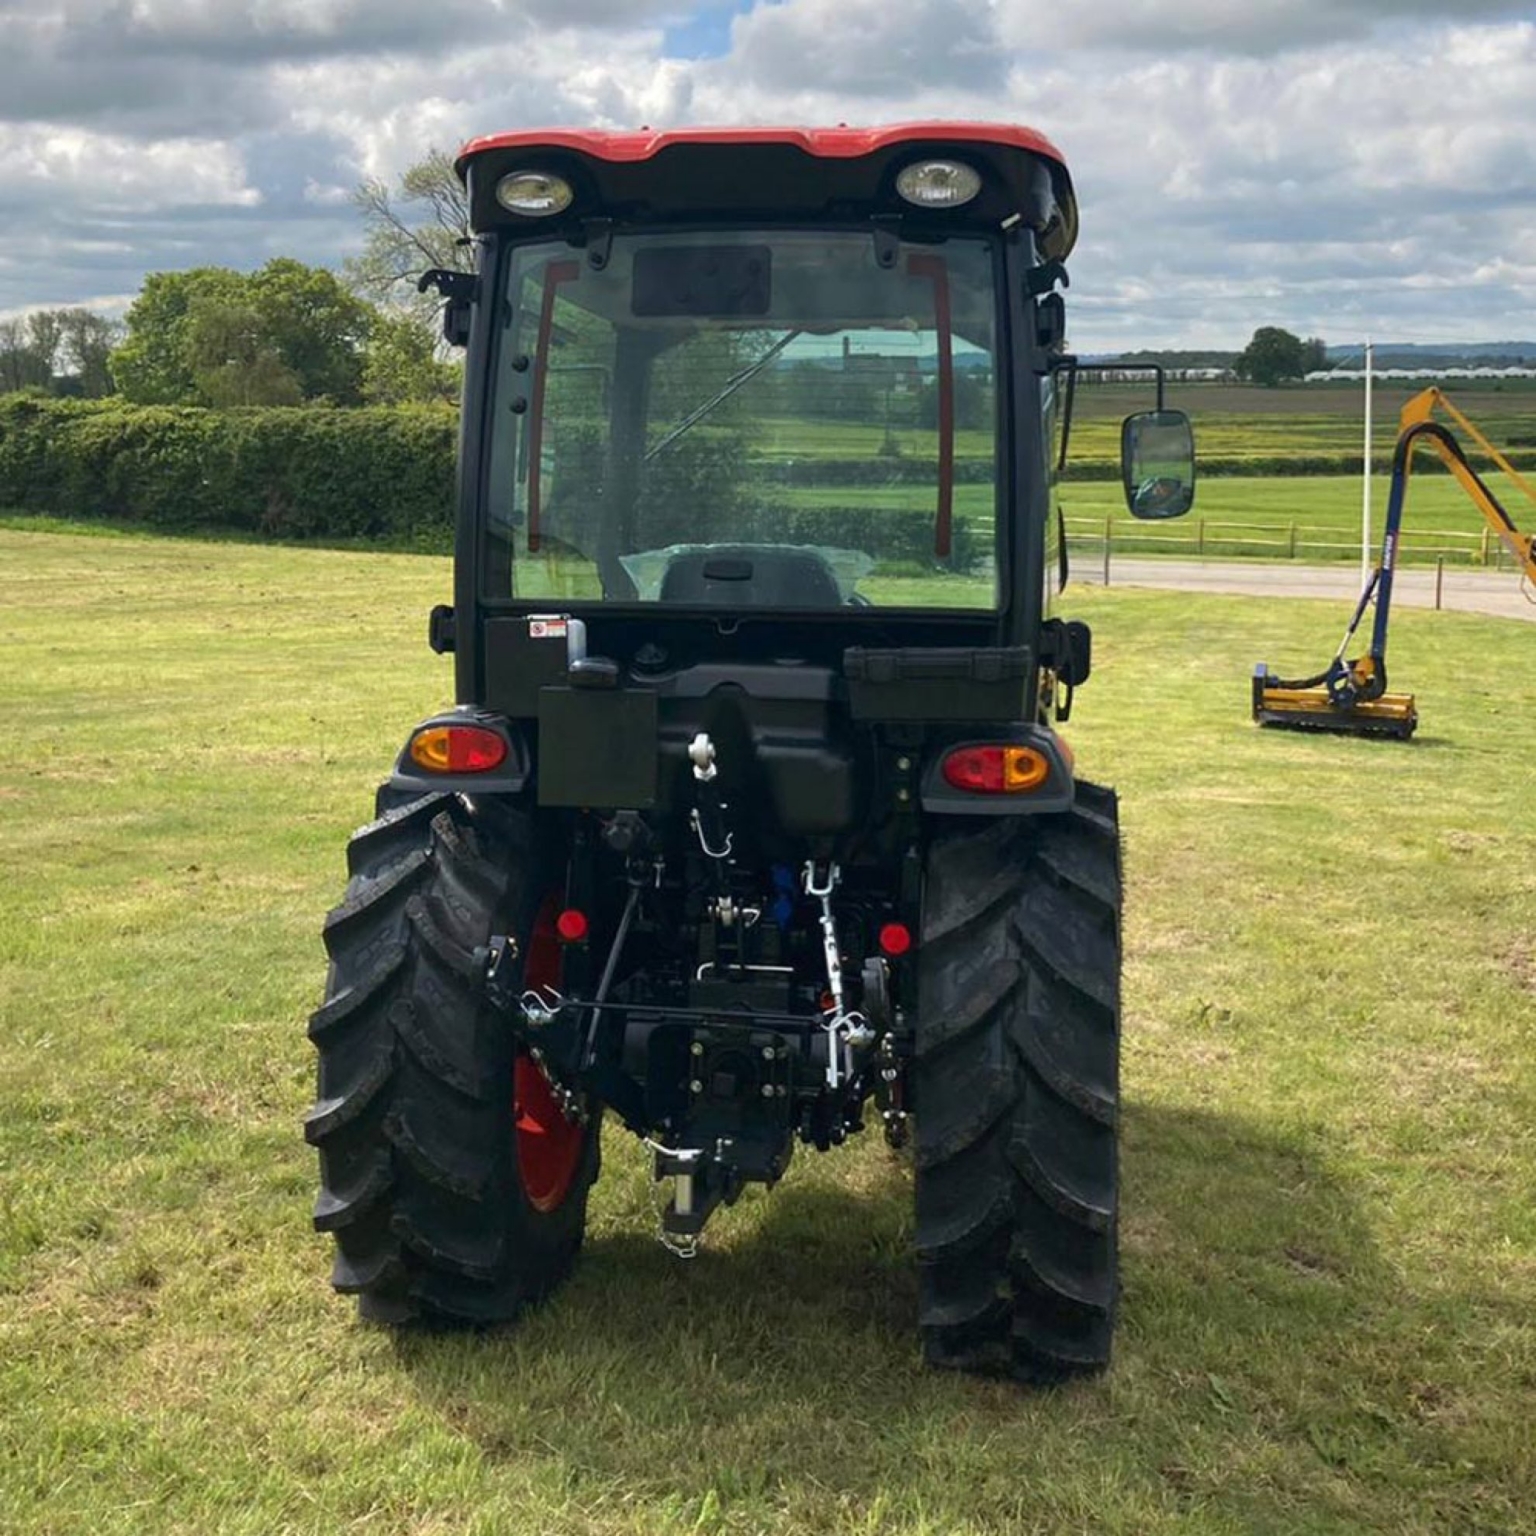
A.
pixel 724 393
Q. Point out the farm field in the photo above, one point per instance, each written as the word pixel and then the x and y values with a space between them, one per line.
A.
pixel 1303 517
pixel 1329 1317
pixel 1232 421
pixel 1247 420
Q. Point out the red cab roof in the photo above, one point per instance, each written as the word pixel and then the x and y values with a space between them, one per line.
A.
pixel 691 171
pixel 840 143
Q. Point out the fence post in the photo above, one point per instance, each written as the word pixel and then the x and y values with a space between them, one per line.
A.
pixel 1484 560
pixel 1293 541
pixel 1109 526
pixel 1439 579
pixel 1200 537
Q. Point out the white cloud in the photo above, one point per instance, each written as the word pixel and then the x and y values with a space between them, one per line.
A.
pixel 113 175
pixel 870 47
pixel 1330 165
pixel 1263 27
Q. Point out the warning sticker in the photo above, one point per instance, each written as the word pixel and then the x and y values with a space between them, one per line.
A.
pixel 547 628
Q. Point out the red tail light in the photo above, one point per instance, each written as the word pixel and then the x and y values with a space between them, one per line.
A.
pixel 895 939
pixel 458 749
pixel 996 770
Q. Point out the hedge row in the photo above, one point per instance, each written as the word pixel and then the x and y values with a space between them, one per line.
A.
pixel 383 474
pixel 386 474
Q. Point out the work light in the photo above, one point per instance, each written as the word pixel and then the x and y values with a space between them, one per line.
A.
pixel 536 194
pixel 938 183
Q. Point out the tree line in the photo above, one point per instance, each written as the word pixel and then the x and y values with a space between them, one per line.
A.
pixel 286 334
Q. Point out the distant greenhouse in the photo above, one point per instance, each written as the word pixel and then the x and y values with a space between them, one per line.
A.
pixel 1419 375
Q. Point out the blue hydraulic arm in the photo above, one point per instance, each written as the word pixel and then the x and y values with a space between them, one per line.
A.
pixel 1356 682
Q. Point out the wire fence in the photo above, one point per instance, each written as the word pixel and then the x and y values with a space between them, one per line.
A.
pixel 1201 538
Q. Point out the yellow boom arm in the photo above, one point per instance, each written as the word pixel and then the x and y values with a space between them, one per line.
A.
pixel 1422 408
pixel 1351 695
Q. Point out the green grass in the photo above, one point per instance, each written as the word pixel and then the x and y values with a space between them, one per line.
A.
pixel 1329 1318
pixel 1248 421
pixel 1231 421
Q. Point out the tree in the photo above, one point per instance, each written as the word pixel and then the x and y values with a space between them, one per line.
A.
pixel 23 363
pixel 61 351
pixel 212 336
pixel 1272 356
pixel 153 366
pixel 402 363
pixel 422 225
pixel 315 326
pixel 232 357
pixel 88 340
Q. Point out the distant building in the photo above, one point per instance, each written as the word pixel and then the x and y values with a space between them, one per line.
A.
pixel 1418 375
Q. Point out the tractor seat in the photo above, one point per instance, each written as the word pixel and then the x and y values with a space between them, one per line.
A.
pixel 751 576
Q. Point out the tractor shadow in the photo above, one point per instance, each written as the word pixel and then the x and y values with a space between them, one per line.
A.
pixel 738 1372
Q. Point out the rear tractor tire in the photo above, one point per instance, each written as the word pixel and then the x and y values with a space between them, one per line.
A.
pixel 454 1187
pixel 1015 1093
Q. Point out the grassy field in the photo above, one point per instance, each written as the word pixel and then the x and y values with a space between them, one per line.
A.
pixel 1329 1316
pixel 1232 421
pixel 1258 515
pixel 1248 421
pixel 1302 517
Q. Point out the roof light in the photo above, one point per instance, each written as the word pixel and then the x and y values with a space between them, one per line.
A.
pixel 458 749
pixel 939 183
pixel 535 194
pixel 996 770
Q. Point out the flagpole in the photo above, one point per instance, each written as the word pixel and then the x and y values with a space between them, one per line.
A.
pixel 1365 489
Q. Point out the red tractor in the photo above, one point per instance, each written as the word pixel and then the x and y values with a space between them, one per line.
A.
pixel 752 819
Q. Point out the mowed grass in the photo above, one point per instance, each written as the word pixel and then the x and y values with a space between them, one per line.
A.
pixel 1329 1312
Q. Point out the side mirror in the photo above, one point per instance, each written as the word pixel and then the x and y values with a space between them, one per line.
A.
pixel 1157 461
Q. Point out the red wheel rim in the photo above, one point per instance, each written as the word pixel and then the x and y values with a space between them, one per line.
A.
pixel 549 1146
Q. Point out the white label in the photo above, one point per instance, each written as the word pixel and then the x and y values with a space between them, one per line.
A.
pixel 547 629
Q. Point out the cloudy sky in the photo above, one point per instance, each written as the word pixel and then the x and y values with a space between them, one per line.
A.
pixel 1335 166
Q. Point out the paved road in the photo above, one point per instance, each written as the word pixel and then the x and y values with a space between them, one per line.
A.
pixel 1491 592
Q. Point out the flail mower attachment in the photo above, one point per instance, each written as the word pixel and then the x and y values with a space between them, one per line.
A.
pixel 1309 704
pixel 1348 697
pixel 1351 696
